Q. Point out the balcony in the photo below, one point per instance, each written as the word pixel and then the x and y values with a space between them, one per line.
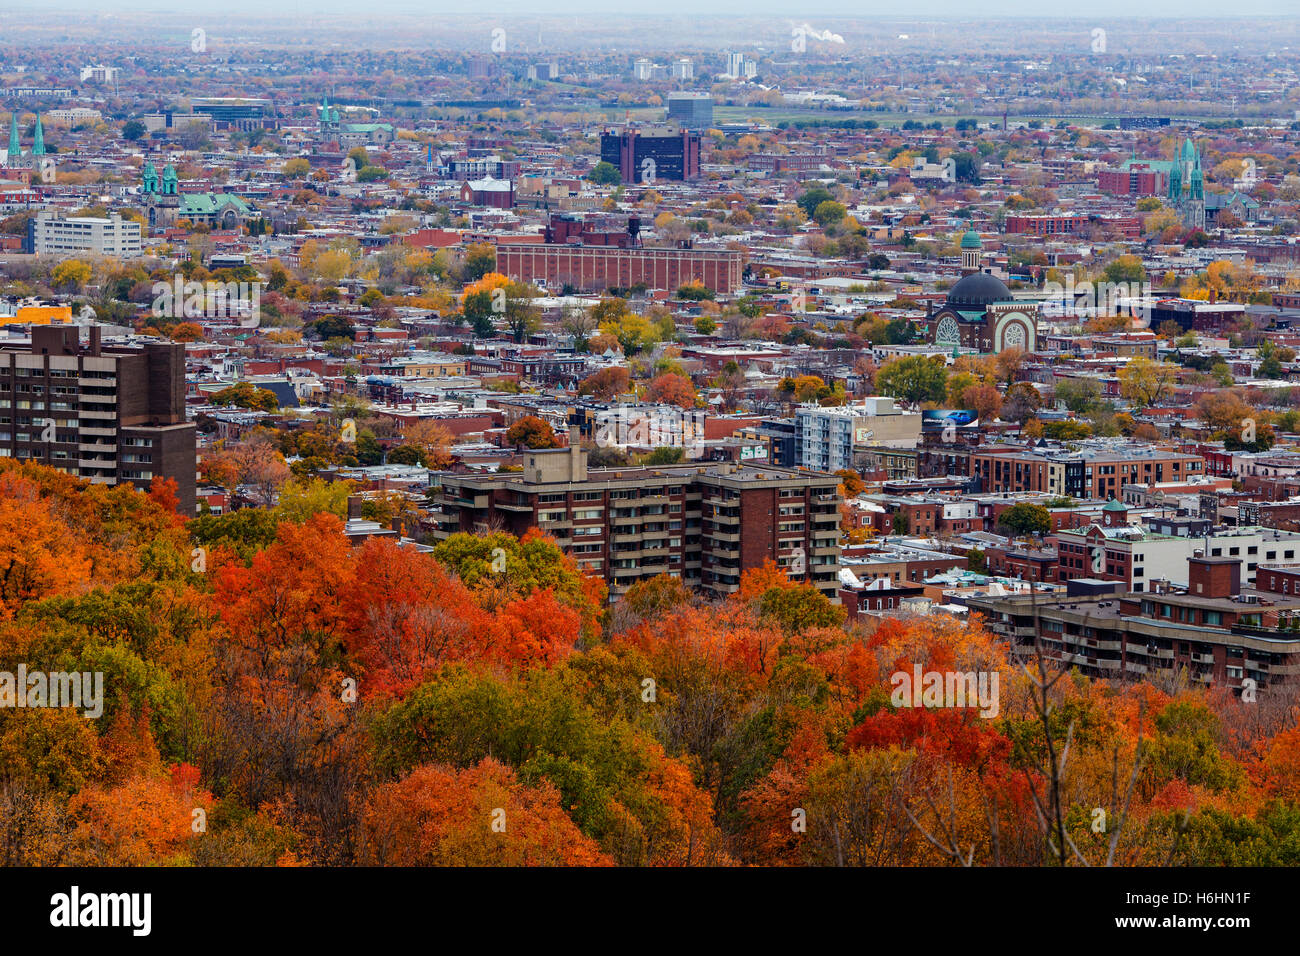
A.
pixel 515 506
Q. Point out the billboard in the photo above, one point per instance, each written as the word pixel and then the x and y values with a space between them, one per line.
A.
pixel 938 419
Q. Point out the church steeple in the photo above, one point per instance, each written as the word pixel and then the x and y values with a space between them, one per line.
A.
pixel 15 151
pixel 1176 179
pixel 38 142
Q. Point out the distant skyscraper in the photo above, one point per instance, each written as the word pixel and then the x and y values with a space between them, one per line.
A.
pixel 643 69
pixel 691 110
pixel 98 73
pixel 735 64
pixel 683 70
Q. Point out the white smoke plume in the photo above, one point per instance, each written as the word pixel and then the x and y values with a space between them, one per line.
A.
pixel 824 35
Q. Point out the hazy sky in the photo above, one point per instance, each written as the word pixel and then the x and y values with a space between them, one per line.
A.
pixel 863 9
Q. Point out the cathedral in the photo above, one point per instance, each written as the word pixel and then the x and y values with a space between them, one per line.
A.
pixel 1187 186
pixel 349 135
pixel 980 313
pixel 41 165
pixel 165 205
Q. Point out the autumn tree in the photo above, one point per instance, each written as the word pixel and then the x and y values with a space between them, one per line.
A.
pixel 606 383
pixel 1145 383
pixel 532 432
pixel 671 389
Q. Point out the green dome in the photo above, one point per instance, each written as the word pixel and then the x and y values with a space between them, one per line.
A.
pixel 1114 505
pixel 971 240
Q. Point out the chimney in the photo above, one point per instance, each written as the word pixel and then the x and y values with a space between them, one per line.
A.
pixel 577 458
pixel 1213 577
pixel 94 339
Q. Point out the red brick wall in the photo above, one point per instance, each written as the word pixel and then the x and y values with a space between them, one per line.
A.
pixel 600 267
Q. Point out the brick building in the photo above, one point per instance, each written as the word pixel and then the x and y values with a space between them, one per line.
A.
pixel 645 155
pixel 1091 471
pixel 597 268
pixel 1129 226
pixel 703 523
pixel 1213 631
pixel 111 414
pixel 1136 178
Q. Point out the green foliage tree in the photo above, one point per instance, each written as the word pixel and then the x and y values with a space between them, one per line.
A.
pixel 605 174
pixel 812 198
pixel 1026 518
pixel 913 379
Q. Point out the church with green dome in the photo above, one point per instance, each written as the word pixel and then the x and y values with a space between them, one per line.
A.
pixel 165 205
pixel 980 313
pixel 350 135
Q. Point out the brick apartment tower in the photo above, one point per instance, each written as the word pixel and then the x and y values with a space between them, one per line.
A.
pixel 118 411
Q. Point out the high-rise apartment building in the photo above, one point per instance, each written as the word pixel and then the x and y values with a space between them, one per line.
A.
pixel 703 523
pixel 109 413
pixel 739 65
